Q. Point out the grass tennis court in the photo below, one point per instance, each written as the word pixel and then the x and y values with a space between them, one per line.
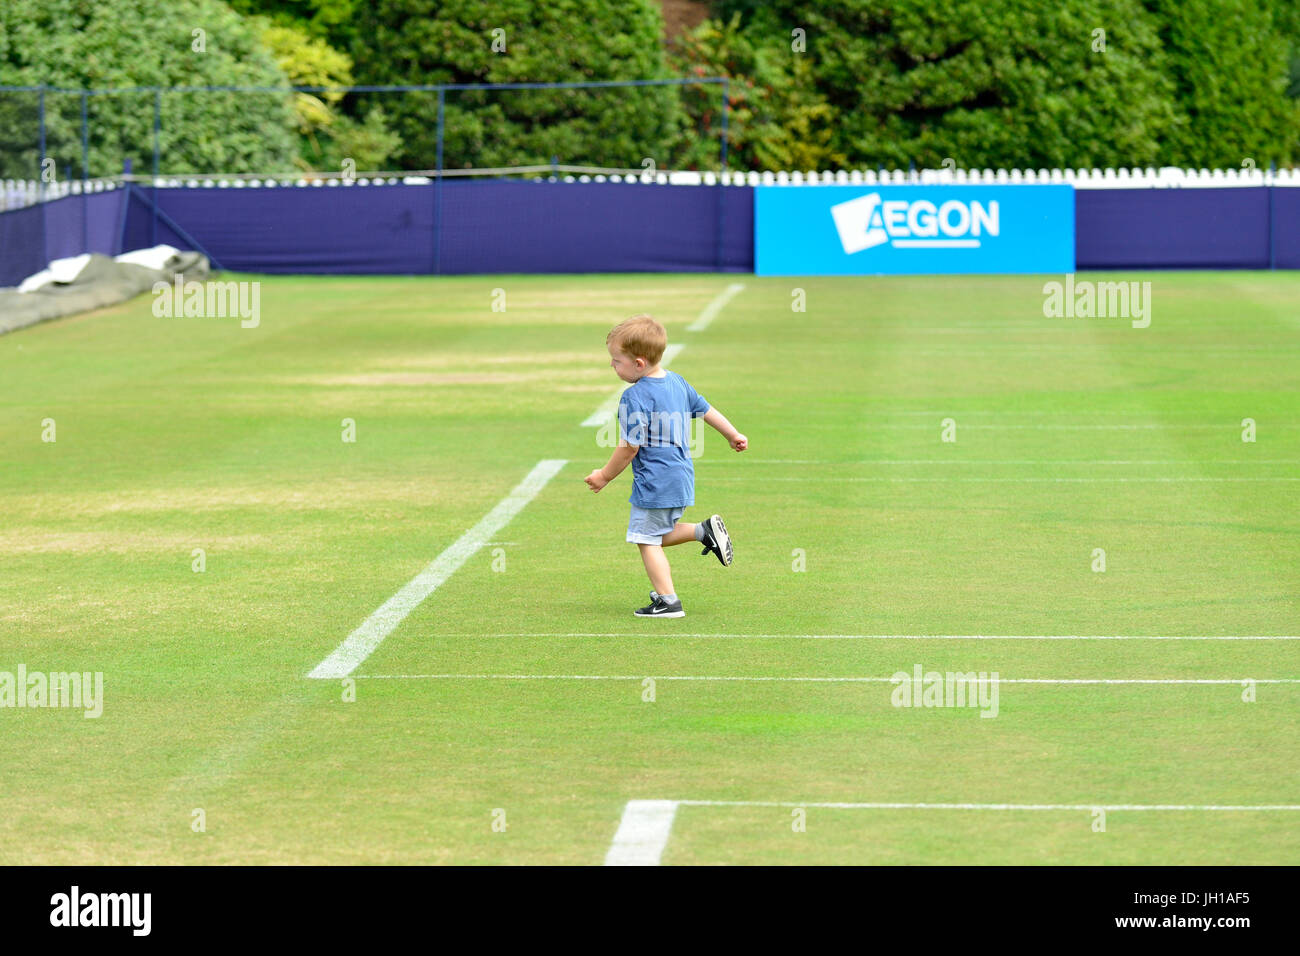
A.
pixel 865 545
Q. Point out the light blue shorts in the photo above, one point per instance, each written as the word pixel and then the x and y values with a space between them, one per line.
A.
pixel 649 525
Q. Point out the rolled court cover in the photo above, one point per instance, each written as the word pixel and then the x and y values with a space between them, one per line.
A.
pixel 102 282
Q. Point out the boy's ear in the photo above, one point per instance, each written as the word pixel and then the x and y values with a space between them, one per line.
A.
pixel 641 363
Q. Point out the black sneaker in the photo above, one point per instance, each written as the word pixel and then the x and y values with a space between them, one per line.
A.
pixel 717 540
pixel 658 607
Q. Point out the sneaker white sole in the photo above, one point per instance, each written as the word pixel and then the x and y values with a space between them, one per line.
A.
pixel 721 538
pixel 665 614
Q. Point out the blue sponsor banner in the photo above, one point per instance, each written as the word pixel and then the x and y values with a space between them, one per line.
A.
pixel 927 230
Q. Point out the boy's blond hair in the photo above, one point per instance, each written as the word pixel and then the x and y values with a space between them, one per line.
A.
pixel 640 337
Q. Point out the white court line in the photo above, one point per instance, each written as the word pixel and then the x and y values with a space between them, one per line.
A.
pixel 677 635
pixel 642 833
pixel 609 406
pixel 716 306
pixel 1239 681
pixel 362 642
pixel 646 825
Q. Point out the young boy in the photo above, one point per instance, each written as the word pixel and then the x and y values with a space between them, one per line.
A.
pixel 654 423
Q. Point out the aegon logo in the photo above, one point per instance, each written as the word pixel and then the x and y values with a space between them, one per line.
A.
pixel 866 222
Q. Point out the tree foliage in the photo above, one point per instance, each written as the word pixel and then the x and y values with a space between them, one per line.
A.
pixel 452 41
pixel 1013 83
pixel 777 118
pixel 83 44
pixel 330 20
pixel 329 136
pixel 835 83
pixel 1230 66
pixel 1031 84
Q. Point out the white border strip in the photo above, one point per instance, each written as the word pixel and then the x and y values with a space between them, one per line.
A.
pixel 609 406
pixel 1237 681
pixel 642 833
pixel 361 643
pixel 719 303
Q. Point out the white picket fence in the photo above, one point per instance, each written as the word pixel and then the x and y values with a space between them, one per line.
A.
pixel 1149 178
pixel 15 194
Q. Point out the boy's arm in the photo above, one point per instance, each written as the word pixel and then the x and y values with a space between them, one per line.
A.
pixel 620 459
pixel 727 430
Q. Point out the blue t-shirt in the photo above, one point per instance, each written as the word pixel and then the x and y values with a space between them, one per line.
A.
pixel 655 415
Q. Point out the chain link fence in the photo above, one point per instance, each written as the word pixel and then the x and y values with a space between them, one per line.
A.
pixel 55 142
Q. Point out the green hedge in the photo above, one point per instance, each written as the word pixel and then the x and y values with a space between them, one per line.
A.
pixel 82 44
pixel 827 84
pixel 430 42
pixel 1023 83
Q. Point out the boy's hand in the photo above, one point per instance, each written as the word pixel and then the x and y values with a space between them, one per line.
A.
pixel 740 442
pixel 596 480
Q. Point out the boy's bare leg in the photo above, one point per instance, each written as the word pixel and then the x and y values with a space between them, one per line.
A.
pixel 682 532
pixel 656 566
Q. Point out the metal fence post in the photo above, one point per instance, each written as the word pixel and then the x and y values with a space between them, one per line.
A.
pixel 40 115
pixel 45 244
pixel 437 190
pixel 157 126
pixel 1271 184
pixel 726 97
pixel 85 175
pixel 123 207
pixel 722 184
pixel 40 110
